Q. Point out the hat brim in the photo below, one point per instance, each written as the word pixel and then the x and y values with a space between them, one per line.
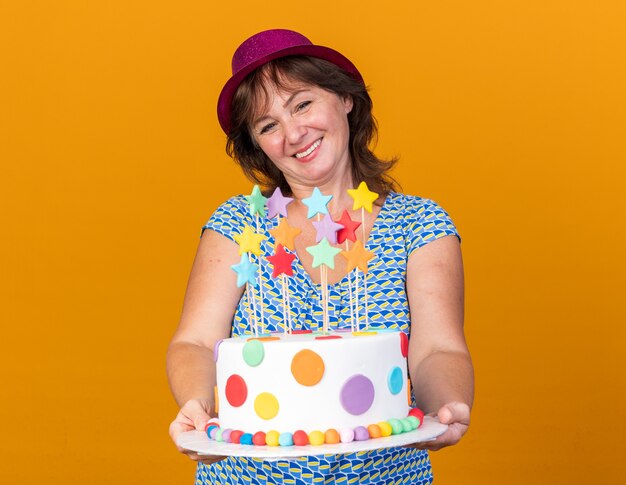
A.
pixel 228 91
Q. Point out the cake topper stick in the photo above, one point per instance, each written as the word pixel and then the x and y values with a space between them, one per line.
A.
pixel 246 275
pixel 327 229
pixel 357 258
pixel 282 261
pixel 277 207
pixel 348 232
pixel 250 243
pixel 323 277
pixel 363 199
pixel 317 204
pixel 350 301
pixel 365 299
pixel 286 306
pixel 284 236
pixel 261 299
pixel 324 255
pixel 256 204
pixel 356 302
pixel 252 301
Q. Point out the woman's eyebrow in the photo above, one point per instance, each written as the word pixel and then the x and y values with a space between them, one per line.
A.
pixel 293 95
pixel 289 100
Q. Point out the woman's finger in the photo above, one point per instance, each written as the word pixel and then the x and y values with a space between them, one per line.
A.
pixel 454 412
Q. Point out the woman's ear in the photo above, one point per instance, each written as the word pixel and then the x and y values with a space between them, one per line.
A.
pixel 347 103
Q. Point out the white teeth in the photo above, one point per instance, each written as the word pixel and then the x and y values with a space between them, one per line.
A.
pixel 309 150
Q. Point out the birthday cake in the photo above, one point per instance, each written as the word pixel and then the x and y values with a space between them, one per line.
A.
pixel 341 386
pixel 299 387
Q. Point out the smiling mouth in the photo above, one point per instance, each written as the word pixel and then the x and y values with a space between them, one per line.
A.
pixel 309 150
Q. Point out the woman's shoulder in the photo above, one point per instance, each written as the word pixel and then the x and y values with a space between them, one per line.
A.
pixel 411 205
pixel 230 216
pixel 422 220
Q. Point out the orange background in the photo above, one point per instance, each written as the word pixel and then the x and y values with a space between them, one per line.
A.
pixel 510 114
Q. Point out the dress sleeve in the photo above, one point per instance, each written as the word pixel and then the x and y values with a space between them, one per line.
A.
pixel 230 218
pixel 426 221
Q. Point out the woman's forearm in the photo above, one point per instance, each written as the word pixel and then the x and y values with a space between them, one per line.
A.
pixel 443 377
pixel 191 372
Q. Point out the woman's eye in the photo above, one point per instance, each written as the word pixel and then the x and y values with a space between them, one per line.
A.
pixel 302 105
pixel 267 128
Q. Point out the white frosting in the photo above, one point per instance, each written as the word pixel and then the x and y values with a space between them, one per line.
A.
pixel 316 407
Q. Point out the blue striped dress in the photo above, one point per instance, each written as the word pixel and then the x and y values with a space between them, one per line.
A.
pixel 404 224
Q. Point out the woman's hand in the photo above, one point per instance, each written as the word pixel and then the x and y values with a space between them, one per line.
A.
pixel 457 416
pixel 194 415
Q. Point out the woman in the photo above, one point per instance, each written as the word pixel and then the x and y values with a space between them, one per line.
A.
pixel 298 116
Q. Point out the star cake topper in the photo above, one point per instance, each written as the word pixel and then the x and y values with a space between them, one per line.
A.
pixel 317 203
pixel 249 241
pixel 285 234
pixel 277 204
pixel 363 197
pixel 326 228
pixel 357 257
pixel 349 228
pixel 323 253
pixel 282 262
pixel 246 271
pixel 256 201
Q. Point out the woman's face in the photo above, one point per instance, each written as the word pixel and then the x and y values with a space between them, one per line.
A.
pixel 304 131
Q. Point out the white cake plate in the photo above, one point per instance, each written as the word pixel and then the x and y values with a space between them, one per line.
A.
pixel 199 442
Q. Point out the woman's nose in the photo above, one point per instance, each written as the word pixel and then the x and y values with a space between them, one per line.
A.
pixel 294 131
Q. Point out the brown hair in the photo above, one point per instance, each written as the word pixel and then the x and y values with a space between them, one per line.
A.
pixel 252 95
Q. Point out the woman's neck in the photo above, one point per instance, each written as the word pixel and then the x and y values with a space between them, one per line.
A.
pixel 337 187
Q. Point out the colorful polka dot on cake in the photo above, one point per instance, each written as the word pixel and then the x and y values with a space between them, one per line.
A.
pixel 213 422
pixel 361 434
pixel 385 428
pixel 346 435
pixel 364 334
pixel 316 438
pixel 300 438
pixel 331 436
pixel 285 439
pixel 404 344
pixel 418 413
pixel 216 400
pixel 271 438
pixel 236 390
pixel 246 439
pixel 395 380
pixel 357 394
pixel 307 367
pixel 396 426
pixel 415 423
pixel 265 339
pixel 374 431
pixel 216 349
pixel 226 435
pixel 259 438
pixel 406 425
pixel 266 405
pixel 253 353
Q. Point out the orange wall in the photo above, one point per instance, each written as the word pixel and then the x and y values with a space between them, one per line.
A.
pixel 510 114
